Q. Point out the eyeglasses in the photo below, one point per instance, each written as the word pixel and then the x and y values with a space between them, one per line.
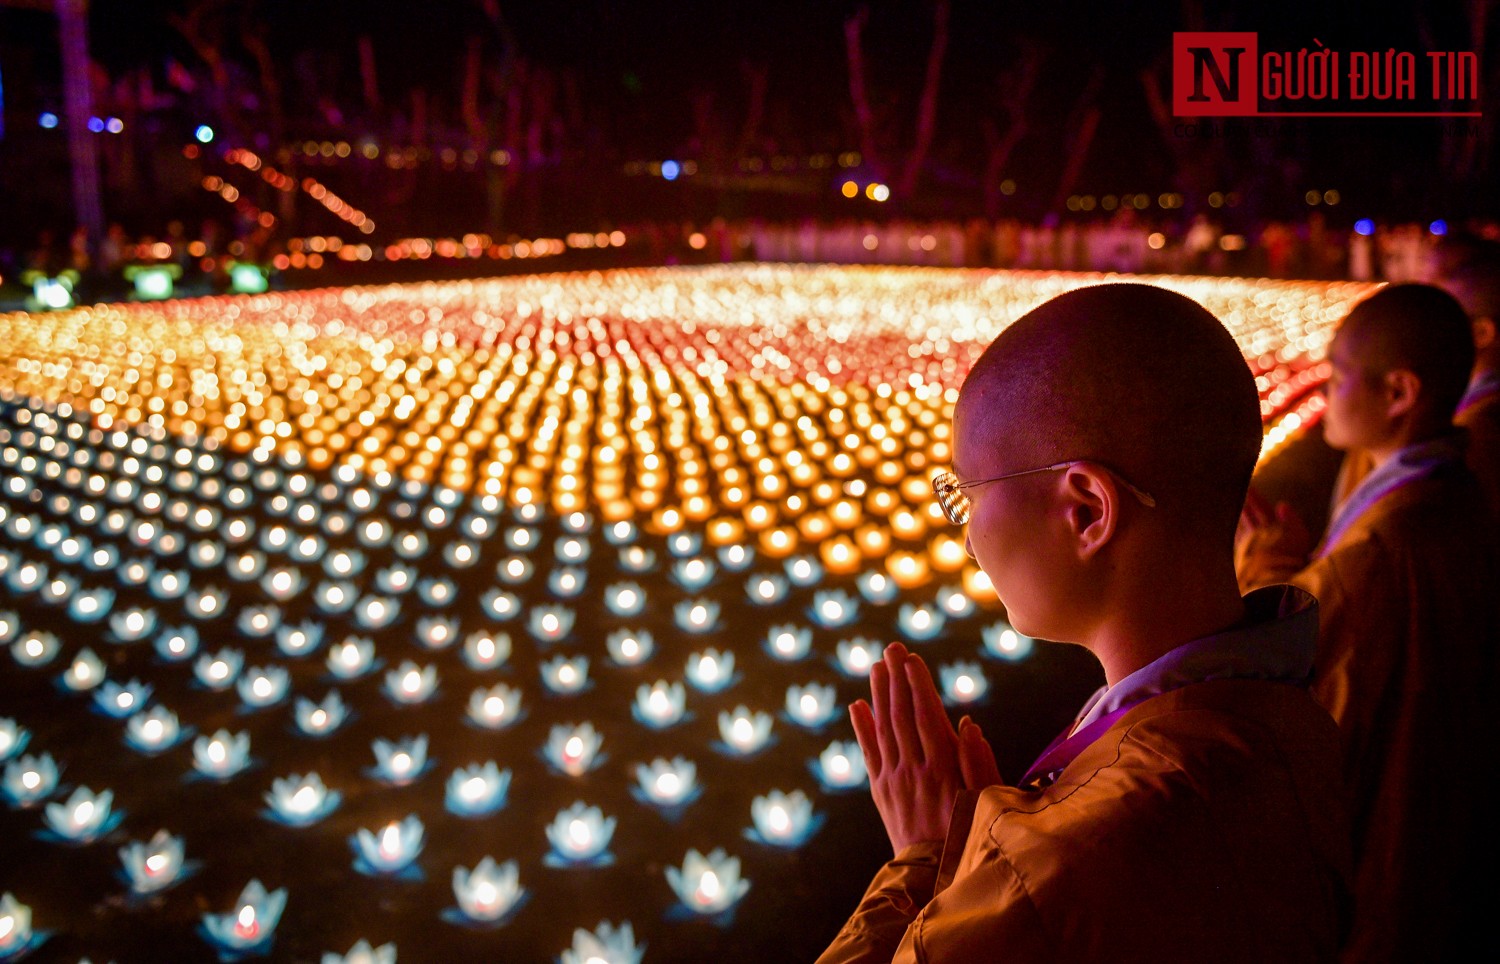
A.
pixel 948 490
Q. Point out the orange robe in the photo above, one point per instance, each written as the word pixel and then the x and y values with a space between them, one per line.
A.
pixel 1481 421
pixel 1410 607
pixel 1202 826
pixel 1481 424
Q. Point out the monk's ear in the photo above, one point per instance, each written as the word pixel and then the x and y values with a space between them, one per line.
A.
pixel 1402 389
pixel 1484 333
pixel 1092 503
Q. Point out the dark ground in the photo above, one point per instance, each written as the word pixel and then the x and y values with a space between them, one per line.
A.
pixel 797 899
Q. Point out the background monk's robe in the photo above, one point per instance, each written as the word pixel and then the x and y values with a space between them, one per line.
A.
pixel 1481 420
pixel 1407 665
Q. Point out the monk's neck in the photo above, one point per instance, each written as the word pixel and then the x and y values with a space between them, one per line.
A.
pixel 1380 455
pixel 1133 636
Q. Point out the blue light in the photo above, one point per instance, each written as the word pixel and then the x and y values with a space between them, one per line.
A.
pixel 1438 227
pixel 96 124
pixel 1364 226
pixel 204 134
pixel 670 170
pixel 47 120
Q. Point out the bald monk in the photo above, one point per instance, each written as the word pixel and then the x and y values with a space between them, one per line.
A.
pixel 1471 273
pixel 1406 577
pixel 1103 445
pixel 1475 282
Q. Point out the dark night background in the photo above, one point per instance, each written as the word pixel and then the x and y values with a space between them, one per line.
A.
pixel 611 83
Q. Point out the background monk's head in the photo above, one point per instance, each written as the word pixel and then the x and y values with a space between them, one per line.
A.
pixel 1401 361
pixel 1472 275
pixel 1153 394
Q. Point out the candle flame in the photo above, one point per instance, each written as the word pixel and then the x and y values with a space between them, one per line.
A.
pixel 245 925
pixel 390 841
pixel 578 833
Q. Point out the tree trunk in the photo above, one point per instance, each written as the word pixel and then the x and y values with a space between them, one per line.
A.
pixel 369 80
pixel 927 106
pixel 756 75
pixel 1084 124
pixel 72 18
pixel 864 117
pixel 1015 93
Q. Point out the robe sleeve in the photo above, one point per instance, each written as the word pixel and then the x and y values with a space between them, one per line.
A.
pixel 897 894
pixel 1362 620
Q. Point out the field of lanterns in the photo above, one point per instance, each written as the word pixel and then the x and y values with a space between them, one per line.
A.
pixel 508 619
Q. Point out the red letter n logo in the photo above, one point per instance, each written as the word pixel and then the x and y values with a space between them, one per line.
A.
pixel 1215 74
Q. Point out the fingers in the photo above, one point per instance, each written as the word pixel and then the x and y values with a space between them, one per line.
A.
pixel 933 729
pixel 864 731
pixel 880 700
pixel 903 715
pixel 976 760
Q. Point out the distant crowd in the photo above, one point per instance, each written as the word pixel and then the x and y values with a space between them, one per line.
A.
pixel 1277 249
pixel 1125 243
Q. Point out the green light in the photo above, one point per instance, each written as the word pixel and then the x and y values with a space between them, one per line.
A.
pixel 52 293
pixel 247 279
pixel 153 284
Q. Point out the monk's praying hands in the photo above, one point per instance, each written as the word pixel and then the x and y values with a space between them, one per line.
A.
pixel 917 763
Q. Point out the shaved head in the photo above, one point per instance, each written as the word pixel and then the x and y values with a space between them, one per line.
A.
pixel 1418 328
pixel 1136 377
pixel 1475 282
